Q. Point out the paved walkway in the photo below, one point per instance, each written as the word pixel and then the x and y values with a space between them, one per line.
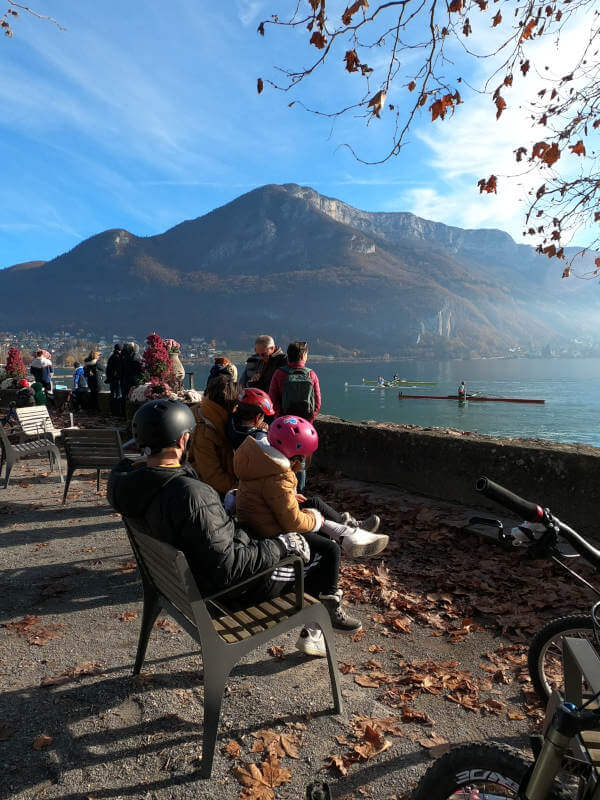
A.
pixel 432 666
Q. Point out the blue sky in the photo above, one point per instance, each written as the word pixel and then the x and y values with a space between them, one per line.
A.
pixel 139 119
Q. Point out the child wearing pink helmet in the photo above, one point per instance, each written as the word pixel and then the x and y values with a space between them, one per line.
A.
pixel 267 503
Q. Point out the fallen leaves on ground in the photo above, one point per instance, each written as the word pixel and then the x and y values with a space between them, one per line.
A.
pixel 261 780
pixel 42 741
pixel 30 629
pixel 369 741
pixel 126 567
pixel 277 651
pixel 79 670
pixel 232 749
pixel 168 626
pixel 277 744
pixel 127 616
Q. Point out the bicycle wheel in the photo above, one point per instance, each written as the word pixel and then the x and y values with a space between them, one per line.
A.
pixel 545 661
pixel 477 772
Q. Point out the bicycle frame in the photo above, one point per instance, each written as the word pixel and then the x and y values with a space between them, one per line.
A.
pixel 565 723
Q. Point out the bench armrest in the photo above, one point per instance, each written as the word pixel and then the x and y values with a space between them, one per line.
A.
pixel 295 561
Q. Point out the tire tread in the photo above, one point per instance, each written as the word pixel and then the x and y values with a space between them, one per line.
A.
pixel 434 784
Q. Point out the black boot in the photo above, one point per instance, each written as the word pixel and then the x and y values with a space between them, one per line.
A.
pixel 340 620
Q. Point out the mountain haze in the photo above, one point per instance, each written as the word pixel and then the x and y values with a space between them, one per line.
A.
pixel 286 260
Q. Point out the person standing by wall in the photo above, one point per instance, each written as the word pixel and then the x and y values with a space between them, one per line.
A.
pixel 295 390
pixel 131 368
pixel 42 369
pixel 271 356
pixel 94 370
pixel 113 378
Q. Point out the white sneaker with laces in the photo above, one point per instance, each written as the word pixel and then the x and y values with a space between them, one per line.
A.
pixel 311 642
pixel 357 543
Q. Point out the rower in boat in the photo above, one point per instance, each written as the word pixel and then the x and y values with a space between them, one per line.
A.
pixel 462 392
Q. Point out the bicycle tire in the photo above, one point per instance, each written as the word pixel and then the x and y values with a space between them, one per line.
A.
pixel 576 625
pixel 478 765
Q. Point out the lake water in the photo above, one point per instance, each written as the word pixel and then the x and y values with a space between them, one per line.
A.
pixel 570 387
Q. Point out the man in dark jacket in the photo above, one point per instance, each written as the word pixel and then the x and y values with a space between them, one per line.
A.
pixel 131 368
pixel 271 356
pixel 166 496
pixel 167 499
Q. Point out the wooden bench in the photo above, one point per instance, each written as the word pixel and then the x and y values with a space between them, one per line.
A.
pixel 14 452
pixel 225 629
pixel 36 422
pixel 90 449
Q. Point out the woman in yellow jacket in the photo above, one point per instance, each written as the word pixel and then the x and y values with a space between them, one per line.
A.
pixel 211 452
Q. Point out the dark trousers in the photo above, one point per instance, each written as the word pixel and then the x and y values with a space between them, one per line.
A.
pixel 320 574
pixel 325 509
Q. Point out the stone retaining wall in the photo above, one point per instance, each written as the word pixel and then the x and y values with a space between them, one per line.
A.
pixel 445 464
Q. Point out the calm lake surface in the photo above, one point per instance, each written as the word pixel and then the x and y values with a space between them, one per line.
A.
pixel 570 387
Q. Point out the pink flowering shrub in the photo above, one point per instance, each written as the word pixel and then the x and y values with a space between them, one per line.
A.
pixel 172 346
pixel 156 360
pixel 157 388
pixel 15 368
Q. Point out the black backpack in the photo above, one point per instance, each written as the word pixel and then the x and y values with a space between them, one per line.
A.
pixel 298 392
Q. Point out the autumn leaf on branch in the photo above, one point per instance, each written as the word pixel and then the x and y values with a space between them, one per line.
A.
pixel 490 185
pixel 351 10
pixel 500 106
pixel 547 153
pixel 318 40
pixel 565 107
pixel 377 102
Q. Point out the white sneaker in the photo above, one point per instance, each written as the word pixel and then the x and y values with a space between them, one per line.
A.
pixel 370 524
pixel 357 543
pixel 311 642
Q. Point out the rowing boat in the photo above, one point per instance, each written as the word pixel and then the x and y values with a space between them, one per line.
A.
pixel 399 382
pixel 475 398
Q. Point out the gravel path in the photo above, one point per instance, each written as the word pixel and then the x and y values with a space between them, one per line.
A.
pixel 74 724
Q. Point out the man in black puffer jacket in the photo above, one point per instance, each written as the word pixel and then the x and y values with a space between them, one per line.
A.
pixel 165 496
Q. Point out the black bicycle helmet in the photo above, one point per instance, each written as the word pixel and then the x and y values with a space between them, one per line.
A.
pixel 161 423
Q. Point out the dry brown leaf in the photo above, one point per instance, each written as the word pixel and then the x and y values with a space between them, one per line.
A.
pixel 127 616
pixel 84 668
pixel 291 743
pixel 260 781
pixel 42 741
pixel 413 715
pixel 367 681
pixel 125 567
pixel 42 635
pixel 168 626
pixel 277 651
pixel 433 740
pixel 337 762
pixel 232 749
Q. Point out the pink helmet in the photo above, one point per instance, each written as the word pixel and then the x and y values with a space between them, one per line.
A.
pixel 293 436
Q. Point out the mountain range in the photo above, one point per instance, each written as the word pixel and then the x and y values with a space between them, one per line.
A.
pixel 291 262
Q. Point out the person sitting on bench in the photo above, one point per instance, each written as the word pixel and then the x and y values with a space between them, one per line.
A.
pixel 165 495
